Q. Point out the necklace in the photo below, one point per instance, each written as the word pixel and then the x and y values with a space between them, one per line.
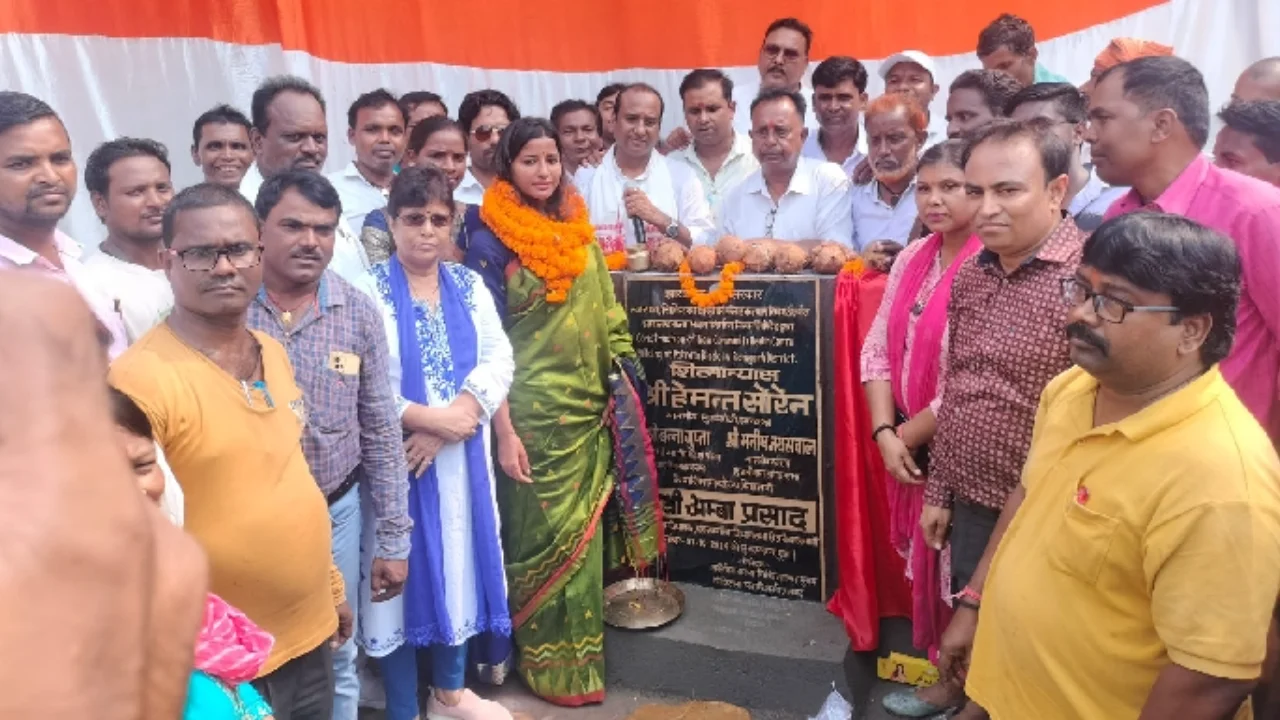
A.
pixel 286 314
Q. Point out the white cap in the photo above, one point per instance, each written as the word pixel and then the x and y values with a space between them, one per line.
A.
pixel 914 56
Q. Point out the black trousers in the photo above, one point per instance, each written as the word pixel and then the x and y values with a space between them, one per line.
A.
pixel 971 529
pixel 301 689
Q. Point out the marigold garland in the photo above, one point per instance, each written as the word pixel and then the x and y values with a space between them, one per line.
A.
pixel 854 267
pixel 553 250
pixel 616 260
pixel 711 298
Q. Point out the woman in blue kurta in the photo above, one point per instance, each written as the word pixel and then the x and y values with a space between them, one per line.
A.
pixel 452 365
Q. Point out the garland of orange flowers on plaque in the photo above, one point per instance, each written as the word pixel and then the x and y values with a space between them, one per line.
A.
pixel 616 260
pixel 709 298
pixel 554 250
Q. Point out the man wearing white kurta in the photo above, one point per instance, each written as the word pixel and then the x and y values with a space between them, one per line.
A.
pixel 635 185
pixel 790 197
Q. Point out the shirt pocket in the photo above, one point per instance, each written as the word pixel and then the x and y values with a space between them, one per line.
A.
pixel 1080 546
pixel 339 412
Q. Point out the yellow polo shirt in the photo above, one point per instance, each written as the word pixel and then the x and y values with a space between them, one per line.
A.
pixel 250 498
pixel 1150 541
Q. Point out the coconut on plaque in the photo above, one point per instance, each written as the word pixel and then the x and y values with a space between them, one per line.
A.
pixel 829 257
pixel 702 260
pixel 759 256
pixel 790 258
pixel 668 256
pixel 730 249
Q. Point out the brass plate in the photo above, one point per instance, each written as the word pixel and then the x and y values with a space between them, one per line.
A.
pixel 642 604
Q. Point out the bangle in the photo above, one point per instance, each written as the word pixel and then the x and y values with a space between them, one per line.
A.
pixel 969 594
pixel 879 429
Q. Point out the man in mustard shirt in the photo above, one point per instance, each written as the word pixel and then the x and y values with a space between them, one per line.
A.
pixel 1140 558
pixel 225 408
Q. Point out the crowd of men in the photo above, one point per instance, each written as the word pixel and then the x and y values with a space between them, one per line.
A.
pixel 1176 406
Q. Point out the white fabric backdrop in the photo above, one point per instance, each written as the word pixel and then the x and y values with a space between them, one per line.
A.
pixel 105 88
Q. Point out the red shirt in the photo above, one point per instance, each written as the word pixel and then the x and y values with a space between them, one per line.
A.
pixel 1008 340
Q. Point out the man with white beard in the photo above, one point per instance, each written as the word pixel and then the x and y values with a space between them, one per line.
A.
pixel 884 210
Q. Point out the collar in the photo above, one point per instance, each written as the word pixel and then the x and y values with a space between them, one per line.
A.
pixel 617 169
pixel 1158 416
pixel 352 172
pixel 874 186
pixel 1093 188
pixel 741 146
pixel 1176 199
pixel 468 180
pixel 801 179
pixel 331 293
pixel 21 255
pixel 1058 248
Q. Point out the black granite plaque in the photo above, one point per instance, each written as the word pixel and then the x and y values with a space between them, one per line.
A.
pixel 735 412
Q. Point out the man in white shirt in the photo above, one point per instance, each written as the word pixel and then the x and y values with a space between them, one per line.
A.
pixel 128 183
pixel 290 132
pixel 37 184
pixel 839 94
pixel 884 210
pixel 790 197
pixel 578 124
pixel 913 72
pixel 375 128
pixel 719 157
pixel 483 115
pixel 1064 111
pixel 220 145
pixel 637 195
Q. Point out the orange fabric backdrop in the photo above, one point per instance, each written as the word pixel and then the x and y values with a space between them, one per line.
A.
pixel 566 35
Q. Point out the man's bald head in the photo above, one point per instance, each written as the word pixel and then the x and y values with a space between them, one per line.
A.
pixel 1259 81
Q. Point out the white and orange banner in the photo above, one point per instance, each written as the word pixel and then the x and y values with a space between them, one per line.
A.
pixel 147 68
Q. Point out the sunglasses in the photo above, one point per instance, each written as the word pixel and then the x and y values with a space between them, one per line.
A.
pixel 417 220
pixel 484 133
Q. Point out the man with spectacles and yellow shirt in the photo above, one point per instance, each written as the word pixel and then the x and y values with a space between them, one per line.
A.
pixel 225 407
pixel 1134 570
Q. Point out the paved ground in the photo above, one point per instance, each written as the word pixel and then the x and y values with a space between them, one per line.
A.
pixel 621 704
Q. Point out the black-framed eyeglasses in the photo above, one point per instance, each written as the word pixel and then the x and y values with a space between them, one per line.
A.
pixel 205 258
pixel 1112 310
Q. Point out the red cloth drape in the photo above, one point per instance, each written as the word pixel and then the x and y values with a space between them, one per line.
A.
pixel 873 583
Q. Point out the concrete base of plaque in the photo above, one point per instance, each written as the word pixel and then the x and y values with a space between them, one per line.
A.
pixel 776 657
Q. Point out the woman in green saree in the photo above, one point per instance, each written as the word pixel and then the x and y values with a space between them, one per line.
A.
pixel 536 250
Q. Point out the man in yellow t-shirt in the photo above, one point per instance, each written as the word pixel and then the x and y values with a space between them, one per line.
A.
pixel 226 410
pixel 1138 574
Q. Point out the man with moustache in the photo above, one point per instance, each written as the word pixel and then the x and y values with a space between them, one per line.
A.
pixel 129 186
pixel 1064 109
pixel 1249 141
pixel 1149 124
pixel 1134 568
pixel 375 128
pixel 290 133
pixel 719 157
pixel 790 197
pixel 1259 81
pixel 839 94
pixel 1005 324
pixel 333 336
pixel 220 145
pixel 635 185
pixel 483 115
pixel 37 183
pixel 884 210
pixel 976 98
pixel 579 127
pixel 784 57
pixel 912 73
pixel 223 403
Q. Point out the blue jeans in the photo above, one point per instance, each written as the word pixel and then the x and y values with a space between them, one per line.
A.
pixel 345 518
pixel 400 676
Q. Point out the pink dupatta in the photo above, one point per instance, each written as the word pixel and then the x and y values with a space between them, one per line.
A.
pixel 929 614
pixel 230 646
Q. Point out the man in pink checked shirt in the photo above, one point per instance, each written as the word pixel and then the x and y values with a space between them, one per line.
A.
pixel 37 184
pixel 1149 121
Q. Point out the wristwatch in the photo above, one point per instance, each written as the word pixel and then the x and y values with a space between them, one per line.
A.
pixel 673 230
